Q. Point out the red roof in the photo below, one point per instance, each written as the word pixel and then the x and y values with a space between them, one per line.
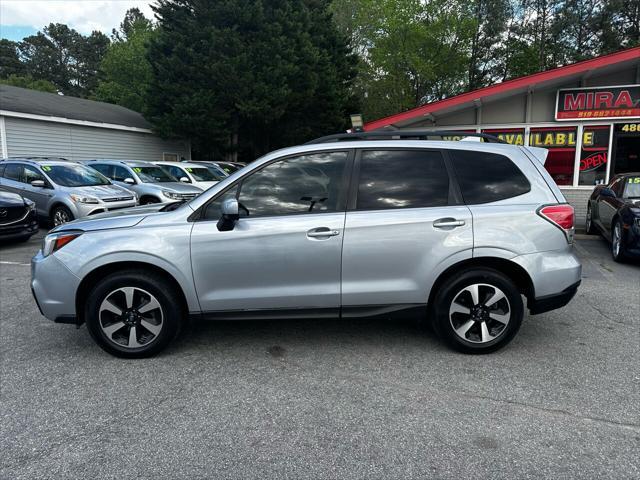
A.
pixel 529 81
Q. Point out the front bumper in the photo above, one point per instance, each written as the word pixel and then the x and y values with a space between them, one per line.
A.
pixel 81 210
pixel 54 288
pixel 22 229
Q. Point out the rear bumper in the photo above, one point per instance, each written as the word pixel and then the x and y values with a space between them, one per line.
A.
pixel 552 302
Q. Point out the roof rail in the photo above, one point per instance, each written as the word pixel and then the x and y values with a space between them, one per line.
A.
pixel 402 135
pixel 35 158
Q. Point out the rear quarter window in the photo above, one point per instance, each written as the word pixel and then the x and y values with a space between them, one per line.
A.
pixel 487 177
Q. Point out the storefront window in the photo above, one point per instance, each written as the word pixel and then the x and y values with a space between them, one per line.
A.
pixel 514 136
pixel 594 155
pixel 561 143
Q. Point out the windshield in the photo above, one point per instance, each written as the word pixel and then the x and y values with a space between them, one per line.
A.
pixel 74 175
pixel 154 175
pixel 202 174
pixel 229 168
pixel 633 188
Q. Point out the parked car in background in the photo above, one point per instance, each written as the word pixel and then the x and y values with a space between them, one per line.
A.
pixel 194 173
pixel 614 211
pixel 457 231
pixel 63 190
pixel 152 183
pixel 229 167
pixel 217 169
pixel 18 217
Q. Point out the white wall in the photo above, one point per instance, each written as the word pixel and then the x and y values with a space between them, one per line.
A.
pixel 75 142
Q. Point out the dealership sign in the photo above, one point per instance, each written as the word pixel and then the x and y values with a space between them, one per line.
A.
pixel 598 103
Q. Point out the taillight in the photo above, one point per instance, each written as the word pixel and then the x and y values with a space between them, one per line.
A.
pixel 562 216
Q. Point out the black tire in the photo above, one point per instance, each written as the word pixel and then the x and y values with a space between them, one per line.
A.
pixel 61 214
pixel 589 227
pixel 618 251
pixel 453 288
pixel 171 313
pixel 149 200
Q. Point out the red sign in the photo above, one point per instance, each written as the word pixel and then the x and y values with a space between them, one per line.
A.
pixel 598 103
pixel 592 162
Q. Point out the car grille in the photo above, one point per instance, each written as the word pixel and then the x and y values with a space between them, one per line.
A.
pixel 12 214
pixel 117 199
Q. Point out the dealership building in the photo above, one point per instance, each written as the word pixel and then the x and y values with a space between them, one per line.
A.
pixel 34 123
pixel 586 114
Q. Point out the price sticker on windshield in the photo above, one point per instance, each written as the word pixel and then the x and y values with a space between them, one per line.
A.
pixel 46 168
pixel 137 169
pixel 189 170
pixel 634 180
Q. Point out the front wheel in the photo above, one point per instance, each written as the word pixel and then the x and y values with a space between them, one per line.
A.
pixel 60 215
pixel 479 311
pixel 133 314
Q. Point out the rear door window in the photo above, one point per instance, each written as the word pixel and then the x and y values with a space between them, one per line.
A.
pixel 487 177
pixel 13 171
pixel 402 179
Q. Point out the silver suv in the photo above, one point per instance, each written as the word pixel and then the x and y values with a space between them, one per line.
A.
pixel 62 190
pixel 152 184
pixel 459 231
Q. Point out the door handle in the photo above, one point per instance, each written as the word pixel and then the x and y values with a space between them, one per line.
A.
pixel 448 223
pixel 322 232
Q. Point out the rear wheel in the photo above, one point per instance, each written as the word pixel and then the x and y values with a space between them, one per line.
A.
pixel 133 314
pixel 60 215
pixel 617 244
pixel 478 311
pixel 589 227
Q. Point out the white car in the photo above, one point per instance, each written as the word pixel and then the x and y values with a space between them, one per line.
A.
pixel 191 172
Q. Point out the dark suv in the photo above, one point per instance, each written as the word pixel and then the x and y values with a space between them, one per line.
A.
pixel 18 220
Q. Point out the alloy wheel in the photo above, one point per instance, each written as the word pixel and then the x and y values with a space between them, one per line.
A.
pixel 131 317
pixel 479 313
pixel 60 217
pixel 616 240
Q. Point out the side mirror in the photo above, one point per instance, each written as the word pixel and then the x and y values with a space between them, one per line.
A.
pixel 185 180
pixel 607 192
pixel 230 215
pixel 38 183
pixel 129 181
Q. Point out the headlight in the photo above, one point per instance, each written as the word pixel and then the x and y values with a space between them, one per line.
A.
pixel 171 195
pixel 83 199
pixel 55 241
pixel 30 203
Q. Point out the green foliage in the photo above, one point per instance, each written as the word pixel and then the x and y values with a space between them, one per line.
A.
pixel 10 63
pixel 29 82
pixel 64 57
pixel 417 51
pixel 247 75
pixel 125 72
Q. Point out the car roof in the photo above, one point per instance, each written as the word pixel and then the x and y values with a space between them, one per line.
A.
pixel 130 163
pixel 38 161
pixel 181 164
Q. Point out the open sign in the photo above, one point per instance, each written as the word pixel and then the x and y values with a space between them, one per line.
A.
pixel 593 161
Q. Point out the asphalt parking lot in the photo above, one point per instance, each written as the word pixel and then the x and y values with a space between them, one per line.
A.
pixel 327 399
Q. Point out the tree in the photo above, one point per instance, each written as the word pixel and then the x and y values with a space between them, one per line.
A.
pixel 125 71
pixel 64 57
pixel 29 82
pixel 243 76
pixel 134 21
pixel 10 63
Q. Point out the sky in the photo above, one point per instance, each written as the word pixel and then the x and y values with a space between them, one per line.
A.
pixel 21 18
